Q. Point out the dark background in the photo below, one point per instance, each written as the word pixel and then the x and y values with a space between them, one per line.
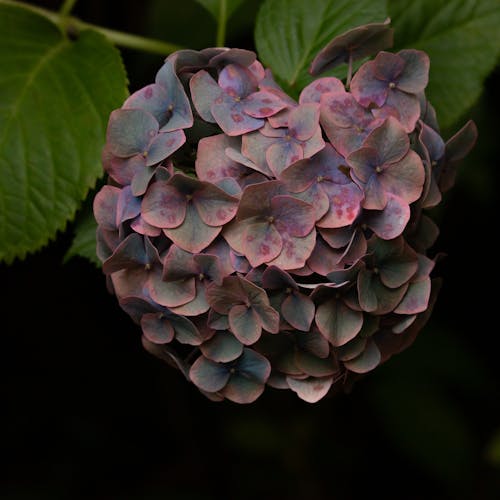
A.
pixel 87 413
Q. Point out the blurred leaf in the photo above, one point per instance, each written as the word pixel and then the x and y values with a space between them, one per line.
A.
pixel 84 242
pixel 289 33
pixel 55 98
pixel 493 450
pixel 214 6
pixel 463 41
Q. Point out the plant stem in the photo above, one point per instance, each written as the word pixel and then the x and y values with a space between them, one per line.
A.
pixel 74 26
pixel 67 7
pixel 349 72
pixel 221 24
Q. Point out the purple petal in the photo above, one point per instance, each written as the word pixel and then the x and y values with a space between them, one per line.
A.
pixel 204 91
pixel 314 144
pixel 128 206
pixel 337 238
pixel 388 66
pixel 193 234
pixel 345 204
pixel 214 205
pixel 245 324
pixel 415 75
pixel 262 243
pixel 390 222
pixel 122 170
pixel 416 299
pixel 212 164
pixel 104 206
pixel 352 349
pixel 172 293
pixel 254 146
pixel 364 163
pixel 365 362
pixel 295 251
pixel 142 178
pixel 195 307
pixel 298 310
pixel 234 234
pixel 374 296
pixel 130 131
pixel 375 195
pixel 242 390
pixel 177 105
pixel 151 98
pixel 317 198
pixel 338 323
pixel 222 297
pixel 224 56
pixel 139 225
pixel 405 178
pixel 312 93
pixel 275 278
pixel 389 140
pixel 237 81
pixel 366 88
pixel 230 116
pixel 354 44
pixel 178 264
pixel 163 206
pixel 283 153
pixel 185 331
pixel 157 328
pixel 262 104
pixel 324 259
pixel 256 199
pixel 407 107
pixel 311 389
pixel 303 121
pixel 208 375
pixel 294 216
pixel 163 145
pixel 222 347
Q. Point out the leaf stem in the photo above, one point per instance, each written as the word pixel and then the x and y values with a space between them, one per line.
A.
pixel 221 24
pixel 349 72
pixel 67 7
pixel 74 26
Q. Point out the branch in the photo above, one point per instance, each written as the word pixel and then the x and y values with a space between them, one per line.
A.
pixel 74 26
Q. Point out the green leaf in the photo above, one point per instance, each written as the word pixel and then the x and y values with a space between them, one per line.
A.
pixel 462 40
pixel 289 33
pixel 214 7
pixel 55 98
pixel 84 242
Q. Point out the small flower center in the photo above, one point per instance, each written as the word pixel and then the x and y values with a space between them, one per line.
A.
pixel 434 163
pixel 392 85
pixel 320 178
pixel 288 290
pixel 270 219
pixel 201 276
pixel 378 169
pixel 376 270
pixel 189 197
pixel 145 154
pixel 237 98
pixel 147 266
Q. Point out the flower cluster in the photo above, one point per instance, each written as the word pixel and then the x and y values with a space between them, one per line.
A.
pixel 261 240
